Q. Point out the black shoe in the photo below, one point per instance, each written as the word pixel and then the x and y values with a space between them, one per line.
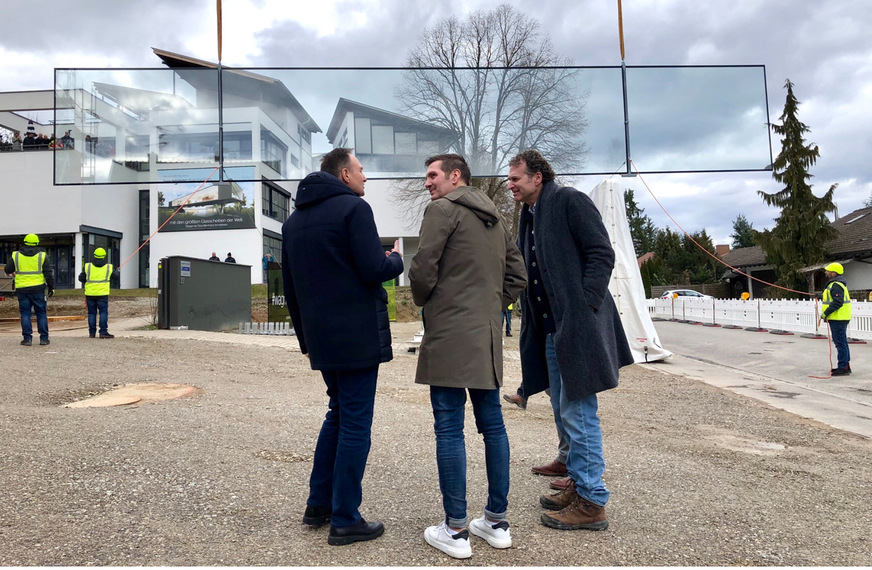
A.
pixel 840 371
pixel 106 335
pixel 317 516
pixel 92 335
pixel 508 333
pixel 44 341
pixel 26 342
pixel 355 533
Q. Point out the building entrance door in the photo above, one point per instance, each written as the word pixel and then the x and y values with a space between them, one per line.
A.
pixel 62 260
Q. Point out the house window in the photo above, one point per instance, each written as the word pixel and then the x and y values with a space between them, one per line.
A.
pixel 406 143
pixel 382 139
pixel 276 202
pixel 272 151
pixel 362 134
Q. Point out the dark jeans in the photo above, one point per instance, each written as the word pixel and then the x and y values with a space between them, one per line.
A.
pixel 448 412
pixel 343 444
pixel 507 318
pixel 839 330
pixel 28 302
pixel 96 303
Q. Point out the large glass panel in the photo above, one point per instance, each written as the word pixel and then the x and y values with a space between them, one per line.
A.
pixel 573 115
pixel 128 124
pixel 132 125
pixel 698 118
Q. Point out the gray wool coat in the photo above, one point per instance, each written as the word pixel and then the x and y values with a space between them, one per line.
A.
pixel 467 270
pixel 576 259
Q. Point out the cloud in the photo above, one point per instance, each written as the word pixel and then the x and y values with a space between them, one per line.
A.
pixel 823 47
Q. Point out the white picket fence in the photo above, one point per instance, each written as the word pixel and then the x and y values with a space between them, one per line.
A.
pixel 794 316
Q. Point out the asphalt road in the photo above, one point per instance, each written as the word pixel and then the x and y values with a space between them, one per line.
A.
pixel 789 372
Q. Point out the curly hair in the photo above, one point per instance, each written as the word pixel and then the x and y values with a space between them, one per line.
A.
pixel 534 162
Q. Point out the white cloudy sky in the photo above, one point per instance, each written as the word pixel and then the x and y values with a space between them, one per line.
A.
pixel 824 48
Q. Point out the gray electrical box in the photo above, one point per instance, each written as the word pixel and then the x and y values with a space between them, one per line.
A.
pixel 202 295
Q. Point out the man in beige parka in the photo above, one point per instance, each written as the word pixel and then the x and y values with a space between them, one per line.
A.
pixel 466 272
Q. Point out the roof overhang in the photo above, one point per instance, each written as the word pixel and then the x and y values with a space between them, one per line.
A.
pixel 820 266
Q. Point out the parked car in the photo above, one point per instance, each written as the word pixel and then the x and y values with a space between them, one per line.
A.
pixel 686 293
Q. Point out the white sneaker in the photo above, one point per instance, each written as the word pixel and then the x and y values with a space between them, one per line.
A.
pixel 455 545
pixel 496 534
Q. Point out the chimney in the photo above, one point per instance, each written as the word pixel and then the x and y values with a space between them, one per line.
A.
pixel 722 249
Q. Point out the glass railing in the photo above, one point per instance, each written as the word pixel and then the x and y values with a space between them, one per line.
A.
pixel 157 125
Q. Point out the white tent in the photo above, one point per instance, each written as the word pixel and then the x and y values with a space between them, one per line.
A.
pixel 626 284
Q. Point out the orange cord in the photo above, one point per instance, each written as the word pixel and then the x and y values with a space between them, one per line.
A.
pixel 710 254
pixel 171 217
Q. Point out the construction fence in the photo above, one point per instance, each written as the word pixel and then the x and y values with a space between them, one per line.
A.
pixel 801 317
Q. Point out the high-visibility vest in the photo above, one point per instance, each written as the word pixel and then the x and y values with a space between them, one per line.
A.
pixel 843 313
pixel 97 279
pixel 28 269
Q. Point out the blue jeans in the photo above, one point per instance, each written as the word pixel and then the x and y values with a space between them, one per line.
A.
pixel 839 330
pixel 343 444
pixel 448 413
pixel 28 302
pixel 578 420
pixel 507 318
pixel 96 303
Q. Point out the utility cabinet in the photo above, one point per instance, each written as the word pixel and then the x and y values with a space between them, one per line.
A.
pixel 202 295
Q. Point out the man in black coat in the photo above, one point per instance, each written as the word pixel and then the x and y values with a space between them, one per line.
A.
pixel 572 340
pixel 333 266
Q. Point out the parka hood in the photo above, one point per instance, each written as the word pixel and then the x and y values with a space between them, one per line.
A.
pixel 30 250
pixel 475 200
pixel 317 187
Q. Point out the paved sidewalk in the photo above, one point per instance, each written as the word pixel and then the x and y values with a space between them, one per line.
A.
pixel 788 372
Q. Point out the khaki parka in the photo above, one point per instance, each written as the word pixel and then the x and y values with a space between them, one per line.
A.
pixel 467 270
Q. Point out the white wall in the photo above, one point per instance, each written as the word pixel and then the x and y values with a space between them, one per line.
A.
pixel 31 203
pixel 858 275
pixel 246 246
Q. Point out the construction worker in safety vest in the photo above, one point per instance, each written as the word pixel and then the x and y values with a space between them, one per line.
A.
pixel 836 311
pixel 33 275
pixel 96 277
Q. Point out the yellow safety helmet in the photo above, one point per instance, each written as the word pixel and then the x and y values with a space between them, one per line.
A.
pixel 99 253
pixel 835 268
pixel 31 239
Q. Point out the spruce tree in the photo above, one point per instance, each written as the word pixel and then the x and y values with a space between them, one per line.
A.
pixel 802 229
pixel 642 228
pixel 743 232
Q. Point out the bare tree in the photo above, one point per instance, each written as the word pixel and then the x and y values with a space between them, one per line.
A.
pixel 498 89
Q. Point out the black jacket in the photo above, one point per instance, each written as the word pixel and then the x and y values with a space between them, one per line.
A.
pixel 576 259
pixel 46 270
pixel 333 267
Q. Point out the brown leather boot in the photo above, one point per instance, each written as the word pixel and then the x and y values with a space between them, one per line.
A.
pixel 553 469
pixel 580 514
pixel 560 499
pixel 560 484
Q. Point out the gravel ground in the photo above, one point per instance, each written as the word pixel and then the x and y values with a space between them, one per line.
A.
pixel 698 475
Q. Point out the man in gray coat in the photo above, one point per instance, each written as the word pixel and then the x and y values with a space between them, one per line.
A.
pixel 467 270
pixel 572 339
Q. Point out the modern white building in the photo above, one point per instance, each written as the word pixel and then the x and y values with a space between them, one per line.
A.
pixel 142 179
